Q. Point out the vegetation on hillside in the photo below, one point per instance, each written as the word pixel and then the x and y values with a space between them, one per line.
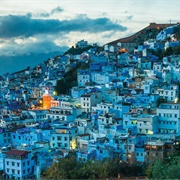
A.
pixel 70 79
pixel 69 168
pixel 145 35
pixel 168 52
pixel 75 51
pixel 164 169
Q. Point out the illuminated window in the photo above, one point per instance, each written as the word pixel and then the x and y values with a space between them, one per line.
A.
pixel 147 147
pixel 154 147
pixel 63 131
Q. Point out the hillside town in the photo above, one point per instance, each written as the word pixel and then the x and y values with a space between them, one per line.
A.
pixel 124 103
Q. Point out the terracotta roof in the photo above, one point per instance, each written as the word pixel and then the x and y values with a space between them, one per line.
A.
pixel 17 152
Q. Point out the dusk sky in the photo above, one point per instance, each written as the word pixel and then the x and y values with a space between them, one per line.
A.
pixel 38 26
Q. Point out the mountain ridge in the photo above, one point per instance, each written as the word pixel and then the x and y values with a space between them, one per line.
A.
pixel 132 38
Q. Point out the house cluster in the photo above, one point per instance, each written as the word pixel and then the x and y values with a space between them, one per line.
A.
pixel 125 105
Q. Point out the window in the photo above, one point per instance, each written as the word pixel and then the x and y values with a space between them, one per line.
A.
pixel 28 170
pixel 18 164
pixel 65 144
pixel 14 136
pixel 59 137
pixel 65 138
pixel 18 171
pixel 23 163
pixel 19 137
pixel 13 163
pixel 7 169
pixel 175 115
pixel 53 138
pixel 7 162
pixel 137 154
pixel 28 162
pixel 24 171
pixel 13 171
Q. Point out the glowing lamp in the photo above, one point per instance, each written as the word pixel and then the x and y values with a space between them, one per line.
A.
pixel 176 100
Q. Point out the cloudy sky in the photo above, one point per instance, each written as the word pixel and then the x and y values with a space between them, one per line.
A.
pixel 42 26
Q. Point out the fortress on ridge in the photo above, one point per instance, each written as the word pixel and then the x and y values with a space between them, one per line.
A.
pixel 130 42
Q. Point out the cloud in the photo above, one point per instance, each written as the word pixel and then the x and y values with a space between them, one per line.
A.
pixel 130 17
pixel 105 14
pixel 52 12
pixel 57 10
pixel 25 26
pixel 20 46
pixel 109 35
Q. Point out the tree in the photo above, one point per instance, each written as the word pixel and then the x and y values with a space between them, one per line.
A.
pixel 166 169
pixel 65 168
pixel 176 50
pixel 70 79
pixel 69 168
pixel 161 100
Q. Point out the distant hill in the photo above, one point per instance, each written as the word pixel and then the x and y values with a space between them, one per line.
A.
pixel 16 63
pixel 148 32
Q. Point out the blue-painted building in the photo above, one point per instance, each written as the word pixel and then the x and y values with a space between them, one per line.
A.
pixel 19 164
pixel 25 136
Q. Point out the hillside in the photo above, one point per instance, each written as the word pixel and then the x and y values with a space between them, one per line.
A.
pixel 146 33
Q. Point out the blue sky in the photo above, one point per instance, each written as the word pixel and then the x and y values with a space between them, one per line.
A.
pixel 32 26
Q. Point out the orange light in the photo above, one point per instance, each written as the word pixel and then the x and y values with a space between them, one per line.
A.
pixel 46 101
pixel 123 50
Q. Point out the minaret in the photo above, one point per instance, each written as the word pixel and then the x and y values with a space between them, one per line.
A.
pixel 46 100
